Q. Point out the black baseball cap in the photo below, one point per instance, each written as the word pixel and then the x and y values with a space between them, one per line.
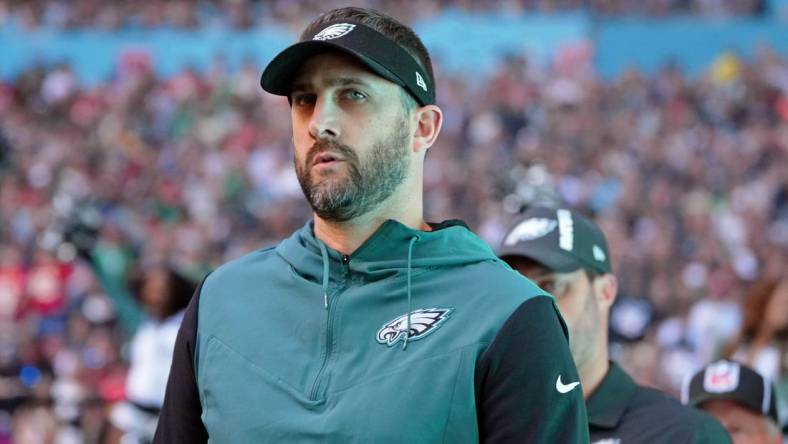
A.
pixel 730 380
pixel 379 53
pixel 559 239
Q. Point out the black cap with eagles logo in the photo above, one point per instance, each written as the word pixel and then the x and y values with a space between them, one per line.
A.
pixel 379 53
pixel 560 239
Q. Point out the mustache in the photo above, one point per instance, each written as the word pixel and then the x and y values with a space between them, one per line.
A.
pixel 322 146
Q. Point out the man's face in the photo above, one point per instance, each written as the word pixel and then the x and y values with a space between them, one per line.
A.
pixel 351 134
pixel 744 425
pixel 577 301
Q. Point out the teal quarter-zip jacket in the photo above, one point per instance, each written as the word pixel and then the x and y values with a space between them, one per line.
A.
pixel 416 337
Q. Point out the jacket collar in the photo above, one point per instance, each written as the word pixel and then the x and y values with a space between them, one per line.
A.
pixel 386 251
pixel 609 401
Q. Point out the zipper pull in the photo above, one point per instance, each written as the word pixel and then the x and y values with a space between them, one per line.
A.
pixel 325 300
pixel 345 265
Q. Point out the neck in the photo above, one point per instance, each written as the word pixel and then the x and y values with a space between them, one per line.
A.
pixel 593 371
pixel 404 206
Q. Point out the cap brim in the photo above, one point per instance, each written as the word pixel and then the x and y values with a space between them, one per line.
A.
pixel 280 73
pixel 704 397
pixel 728 396
pixel 549 258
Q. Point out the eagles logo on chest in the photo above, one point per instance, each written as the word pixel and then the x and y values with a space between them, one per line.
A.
pixel 422 322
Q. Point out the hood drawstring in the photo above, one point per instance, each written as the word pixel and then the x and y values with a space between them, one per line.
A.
pixel 413 240
pixel 324 253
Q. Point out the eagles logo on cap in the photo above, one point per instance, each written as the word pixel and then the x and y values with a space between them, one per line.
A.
pixel 530 229
pixel 334 31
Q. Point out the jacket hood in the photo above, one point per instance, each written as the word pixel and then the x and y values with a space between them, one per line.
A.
pixel 385 253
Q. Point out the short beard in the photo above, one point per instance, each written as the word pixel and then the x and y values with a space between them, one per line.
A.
pixel 370 181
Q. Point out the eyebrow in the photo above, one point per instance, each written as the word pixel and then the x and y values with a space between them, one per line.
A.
pixel 333 82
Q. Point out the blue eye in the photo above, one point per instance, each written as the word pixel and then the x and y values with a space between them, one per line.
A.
pixel 355 95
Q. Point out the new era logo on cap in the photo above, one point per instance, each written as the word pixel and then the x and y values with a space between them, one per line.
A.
pixel 599 253
pixel 334 31
pixel 420 81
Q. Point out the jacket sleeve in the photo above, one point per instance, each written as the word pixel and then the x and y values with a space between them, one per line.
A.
pixel 179 421
pixel 523 381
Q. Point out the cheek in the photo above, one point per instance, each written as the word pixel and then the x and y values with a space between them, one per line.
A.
pixel 571 308
pixel 300 131
pixel 358 131
pixel 301 144
pixel 299 121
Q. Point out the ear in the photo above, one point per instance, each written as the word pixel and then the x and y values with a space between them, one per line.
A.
pixel 606 290
pixel 429 119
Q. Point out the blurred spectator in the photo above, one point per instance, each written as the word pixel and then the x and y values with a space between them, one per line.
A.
pixel 739 397
pixel 762 342
pixel 241 14
pixel 164 294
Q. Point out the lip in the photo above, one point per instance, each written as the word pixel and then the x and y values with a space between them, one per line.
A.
pixel 326 159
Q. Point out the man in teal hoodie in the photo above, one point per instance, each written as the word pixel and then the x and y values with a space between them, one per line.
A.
pixel 369 325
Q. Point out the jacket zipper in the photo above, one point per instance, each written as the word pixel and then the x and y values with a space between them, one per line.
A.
pixel 329 331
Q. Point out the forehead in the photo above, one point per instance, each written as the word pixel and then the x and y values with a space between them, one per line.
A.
pixel 326 67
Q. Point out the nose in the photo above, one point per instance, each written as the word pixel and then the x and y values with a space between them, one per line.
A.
pixel 324 123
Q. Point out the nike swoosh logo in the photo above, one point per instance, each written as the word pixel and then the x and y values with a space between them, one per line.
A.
pixel 564 388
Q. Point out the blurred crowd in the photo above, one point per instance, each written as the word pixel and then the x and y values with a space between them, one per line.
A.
pixel 687 177
pixel 244 14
